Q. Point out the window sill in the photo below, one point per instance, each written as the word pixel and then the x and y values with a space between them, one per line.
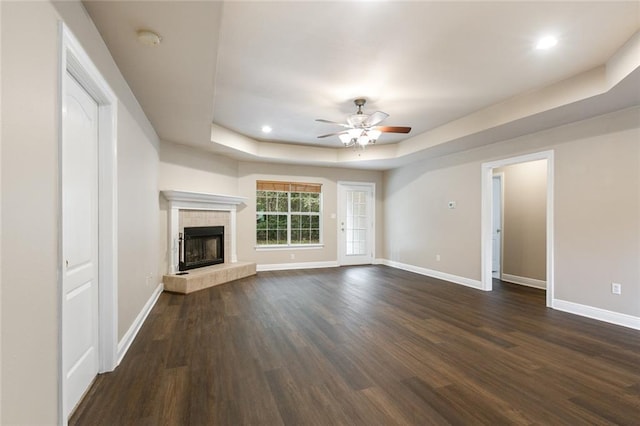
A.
pixel 290 247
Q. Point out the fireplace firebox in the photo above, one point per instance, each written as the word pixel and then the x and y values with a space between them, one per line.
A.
pixel 201 246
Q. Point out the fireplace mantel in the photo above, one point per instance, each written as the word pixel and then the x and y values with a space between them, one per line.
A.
pixel 184 200
pixel 201 200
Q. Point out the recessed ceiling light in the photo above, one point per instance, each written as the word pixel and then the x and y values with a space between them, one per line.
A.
pixel 546 43
pixel 266 129
pixel 149 37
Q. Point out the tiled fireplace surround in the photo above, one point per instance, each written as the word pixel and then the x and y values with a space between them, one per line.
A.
pixel 188 209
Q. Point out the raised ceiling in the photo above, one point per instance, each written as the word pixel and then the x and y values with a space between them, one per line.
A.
pixel 241 65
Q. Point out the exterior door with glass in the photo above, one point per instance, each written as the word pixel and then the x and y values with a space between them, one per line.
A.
pixel 356 223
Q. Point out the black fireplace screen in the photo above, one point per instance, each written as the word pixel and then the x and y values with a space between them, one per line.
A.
pixel 201 246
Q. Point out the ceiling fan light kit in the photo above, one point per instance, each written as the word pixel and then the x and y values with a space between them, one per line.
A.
pixel 359 137
pixel 363 128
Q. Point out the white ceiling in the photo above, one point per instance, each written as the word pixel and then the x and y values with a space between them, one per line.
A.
pixel 241 65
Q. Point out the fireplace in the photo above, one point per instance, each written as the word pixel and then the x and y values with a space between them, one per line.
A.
pixel 201 246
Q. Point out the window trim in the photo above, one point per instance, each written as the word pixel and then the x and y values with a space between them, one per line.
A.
pixel 272 247
pixel 288 213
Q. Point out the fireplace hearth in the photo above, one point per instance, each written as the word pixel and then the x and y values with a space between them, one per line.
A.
pixel 201 246
pixel 194 210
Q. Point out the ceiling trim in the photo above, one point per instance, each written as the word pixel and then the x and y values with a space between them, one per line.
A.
pixel 574 99
pixel 577 98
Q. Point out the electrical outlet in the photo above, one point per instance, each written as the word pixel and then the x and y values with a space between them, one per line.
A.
pixel 437 258
pixel 452 204
pixel 616 288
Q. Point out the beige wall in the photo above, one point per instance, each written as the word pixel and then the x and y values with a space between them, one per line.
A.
pixel 29 214
pixel 0 215
pixel 184 168
pixel 138 147
pixel 249 173
pixel 597 218
pixel 138 206
pixel 524 219
pixel 187 169
pixel 30 202
pixel 418 224
pixel 596 210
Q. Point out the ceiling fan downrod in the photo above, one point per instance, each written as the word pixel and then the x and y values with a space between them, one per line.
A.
pixel 360 103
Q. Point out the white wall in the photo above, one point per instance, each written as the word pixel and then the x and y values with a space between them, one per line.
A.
pixel 597 209
pixel 30 201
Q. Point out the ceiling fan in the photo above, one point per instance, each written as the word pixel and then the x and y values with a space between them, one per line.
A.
pixel 361 128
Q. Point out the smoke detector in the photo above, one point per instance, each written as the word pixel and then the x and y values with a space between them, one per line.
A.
pixel 149 38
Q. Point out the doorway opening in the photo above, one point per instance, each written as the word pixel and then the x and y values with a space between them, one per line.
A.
pixel 497 224
pixel 489 227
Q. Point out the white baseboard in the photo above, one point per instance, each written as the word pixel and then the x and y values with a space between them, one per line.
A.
pixel 597 313
pixel 301 265
pixel 561 305
pixel 434 274
pixel 529 282
pixel 130 335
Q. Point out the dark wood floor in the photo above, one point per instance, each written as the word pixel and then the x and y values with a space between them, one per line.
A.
pixel 367 346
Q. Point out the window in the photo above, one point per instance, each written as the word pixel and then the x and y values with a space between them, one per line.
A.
pixel 288 213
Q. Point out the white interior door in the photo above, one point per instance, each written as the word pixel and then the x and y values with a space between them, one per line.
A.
pixel 356 223
pixel 80 356
pixel 497 227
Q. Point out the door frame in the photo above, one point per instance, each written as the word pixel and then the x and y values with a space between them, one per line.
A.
pixel 500 177
pixel 487 217
pixel 74 59
pixel 372 187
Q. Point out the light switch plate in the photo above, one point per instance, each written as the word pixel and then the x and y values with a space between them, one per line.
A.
pixel 616 288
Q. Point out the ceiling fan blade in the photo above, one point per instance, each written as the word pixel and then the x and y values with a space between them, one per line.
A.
pixel 332 134
pixel 393 129
pixel 332 122
pixel 375 118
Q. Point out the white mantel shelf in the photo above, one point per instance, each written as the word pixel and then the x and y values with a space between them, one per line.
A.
pixel 185 200
pixel 201 198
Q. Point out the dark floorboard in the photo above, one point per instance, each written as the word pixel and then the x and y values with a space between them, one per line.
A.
pixel 367 345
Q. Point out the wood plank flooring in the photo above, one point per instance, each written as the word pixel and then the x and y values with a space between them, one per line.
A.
pixel 367 345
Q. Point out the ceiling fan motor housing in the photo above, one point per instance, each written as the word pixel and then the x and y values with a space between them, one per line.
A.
pixel 358 119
